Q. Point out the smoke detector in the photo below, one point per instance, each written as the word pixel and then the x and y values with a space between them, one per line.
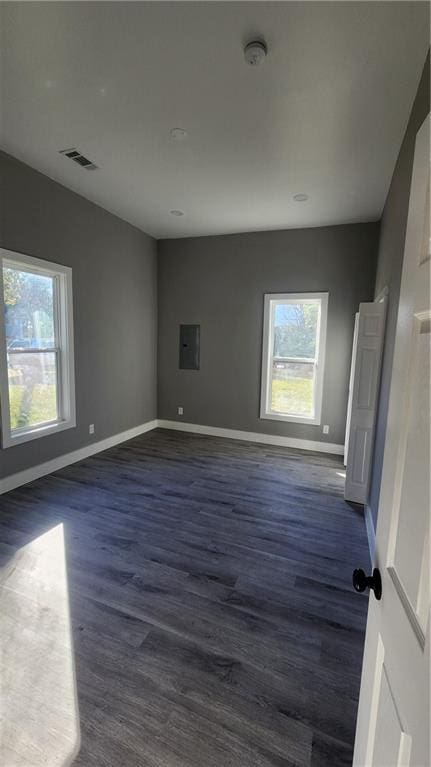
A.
pixel 255 52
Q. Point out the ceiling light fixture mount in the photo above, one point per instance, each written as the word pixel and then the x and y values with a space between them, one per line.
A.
pixel 178 134
pixel 255 52
pixel 300 197
pixel 176 212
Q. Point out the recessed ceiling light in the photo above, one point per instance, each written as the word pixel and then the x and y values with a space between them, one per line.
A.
pixel 176 212
pixel 300 197
pixel 179 134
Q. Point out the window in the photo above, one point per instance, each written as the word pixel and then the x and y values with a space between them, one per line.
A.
pixel 37 390
pixel 293 356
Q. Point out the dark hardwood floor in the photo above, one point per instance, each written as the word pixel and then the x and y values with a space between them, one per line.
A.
pixel 213 619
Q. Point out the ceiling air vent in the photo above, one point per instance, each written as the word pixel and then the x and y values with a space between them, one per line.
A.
pixel 75 155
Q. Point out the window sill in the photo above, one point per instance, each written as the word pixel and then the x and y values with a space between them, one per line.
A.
pixel 9 440
pixel 291 418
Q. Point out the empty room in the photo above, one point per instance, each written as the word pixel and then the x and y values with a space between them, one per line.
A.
pixel 215 384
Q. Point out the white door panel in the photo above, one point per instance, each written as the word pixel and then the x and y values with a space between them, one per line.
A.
pixel 391 745
pixel 351 380
pixel 393 727
pixel 411 534
pixel 366 378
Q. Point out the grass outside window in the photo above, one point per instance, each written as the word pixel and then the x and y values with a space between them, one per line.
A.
pixel 40 408
pixel 294 395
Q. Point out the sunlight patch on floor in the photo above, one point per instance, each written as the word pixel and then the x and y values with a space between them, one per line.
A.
pixel 39 709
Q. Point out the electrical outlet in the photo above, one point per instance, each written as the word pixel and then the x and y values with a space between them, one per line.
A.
pixel 91 428
pixel 180 411
pixel 326 429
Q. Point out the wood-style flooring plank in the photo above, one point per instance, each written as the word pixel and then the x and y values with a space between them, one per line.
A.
pixel 212 619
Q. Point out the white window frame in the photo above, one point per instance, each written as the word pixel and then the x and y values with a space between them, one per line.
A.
pixel 64 349
pixel 270 300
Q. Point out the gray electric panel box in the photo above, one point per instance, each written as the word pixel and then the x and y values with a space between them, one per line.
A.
pixel 190 347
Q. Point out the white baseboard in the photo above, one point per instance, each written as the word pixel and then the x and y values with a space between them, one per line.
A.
pixel 28 475
pixel 252 436
pixel 371 533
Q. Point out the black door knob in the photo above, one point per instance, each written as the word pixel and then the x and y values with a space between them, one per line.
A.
pixel 362 582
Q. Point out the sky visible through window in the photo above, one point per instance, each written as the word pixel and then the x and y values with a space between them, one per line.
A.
pixel 29 321
pixel 295 329
pixel 29 309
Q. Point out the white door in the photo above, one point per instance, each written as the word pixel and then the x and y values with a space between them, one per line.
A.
pixel 351 380
pixel 366 379
pixel 393 727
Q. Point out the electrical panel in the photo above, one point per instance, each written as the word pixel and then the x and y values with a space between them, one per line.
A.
pixel 190 347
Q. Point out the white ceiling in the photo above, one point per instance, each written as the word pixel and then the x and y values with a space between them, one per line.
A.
pixel 324 115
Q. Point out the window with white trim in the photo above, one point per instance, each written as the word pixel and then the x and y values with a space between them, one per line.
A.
pixel 37 385
pixel 293 356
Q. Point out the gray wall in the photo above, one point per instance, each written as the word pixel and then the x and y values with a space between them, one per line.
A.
pixel 216 281
pixel 390 260
pixel 115 305
pixel 219 282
